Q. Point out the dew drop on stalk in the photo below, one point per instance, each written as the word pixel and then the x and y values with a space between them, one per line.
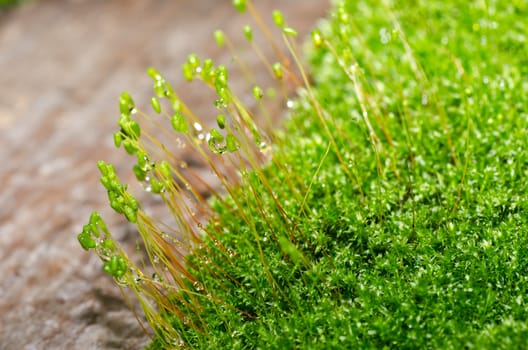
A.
pixel 197 126
pixel 425 99
pixel 264 147
pixel 198 286
pixel 289 104
pixel 384 35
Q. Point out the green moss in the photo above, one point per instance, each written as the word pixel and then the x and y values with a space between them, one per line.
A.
pixel 427 250
pixel 393 213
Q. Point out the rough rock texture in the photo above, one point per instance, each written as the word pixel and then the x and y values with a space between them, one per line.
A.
pixel 62 66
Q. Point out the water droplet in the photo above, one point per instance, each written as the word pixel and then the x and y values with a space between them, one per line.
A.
pixel 197 126
pixel 289 104
pixel 425 100
pixel 385 36
pixel 198 286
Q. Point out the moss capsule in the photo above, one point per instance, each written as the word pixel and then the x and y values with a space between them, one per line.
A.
pixel 221 121
pixel 179 123
pixel 130 214
pixel 277 70
pixel 216 136
pixel 248 33
pixel 130 146
pixel 108 244
pixel 221 77
pixel 126 104
pixel 141 175
pixel 165 169
pixel 240 5
pixel 118 137
pixel 289 31
pixel 193 60
pixel 232 143
pixel 154 102
pixel 103 168
pixel 257 92
pixel 154 74
pixel 86 241
pixel 188 71
pixel 208 72
pixel 177 106
pixel 219 37
pixel 278 18
pixel 317 38
pixel 133 129
pixel 159 88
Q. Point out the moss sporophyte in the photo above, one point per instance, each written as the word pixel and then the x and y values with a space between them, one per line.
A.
pixel 389 211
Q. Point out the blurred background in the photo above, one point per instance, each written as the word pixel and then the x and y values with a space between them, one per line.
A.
pixel 63 64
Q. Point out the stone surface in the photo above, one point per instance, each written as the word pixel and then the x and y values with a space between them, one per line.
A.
pixel 63 64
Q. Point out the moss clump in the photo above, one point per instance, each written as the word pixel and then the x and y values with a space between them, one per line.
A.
pixel 393 212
